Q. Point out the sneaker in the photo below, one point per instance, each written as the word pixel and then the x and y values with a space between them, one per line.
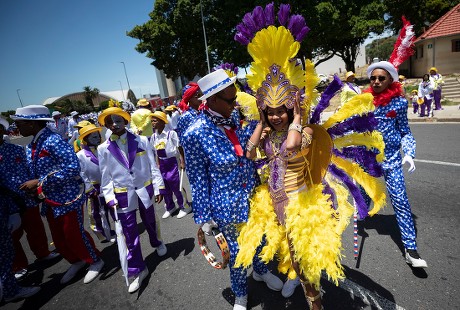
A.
pixel 289 287
pixel 168 213
pixel 412 258
pixel 240 303
pixel 50 256
pixel 72 271
pixel 162 249
pixel 184 212
pixel 272 281
pixel 20 274
pixel 93 271
pixel 23 292
pixel 134 286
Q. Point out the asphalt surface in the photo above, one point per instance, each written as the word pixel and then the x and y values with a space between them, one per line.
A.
pixel 380 279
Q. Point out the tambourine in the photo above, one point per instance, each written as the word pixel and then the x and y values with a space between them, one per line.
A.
pixel 221 243
pixel 42 196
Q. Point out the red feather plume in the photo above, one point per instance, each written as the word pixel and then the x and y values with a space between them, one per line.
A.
pixel 404 46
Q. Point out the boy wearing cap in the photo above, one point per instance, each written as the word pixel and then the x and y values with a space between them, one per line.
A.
pixel 130 180
pixel 55 178
pixel 98 210
pixel 350 88
pixel 140 119
pixel 59 125
pixel 166 145
pixel 172 114
pixel 438 82
pixel 221 177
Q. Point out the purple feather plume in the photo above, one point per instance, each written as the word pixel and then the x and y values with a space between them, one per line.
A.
pixel 296 24
pixel 283 14
pixel 249 23
pixel 240 38
pixel 354 190
pixel 244 30
pixel 365 158
pixel 329 191
pixel 301 35
pixel 258 17
pixel 363 123
pixel 324 102
pixel 269 13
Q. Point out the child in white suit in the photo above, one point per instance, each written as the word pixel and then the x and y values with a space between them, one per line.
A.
pixel 130 180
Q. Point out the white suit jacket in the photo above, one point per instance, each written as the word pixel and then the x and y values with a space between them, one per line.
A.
pixel 89 165
pixel 125 179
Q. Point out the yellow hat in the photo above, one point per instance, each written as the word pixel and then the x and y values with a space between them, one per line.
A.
pixel 160 115
pixel 143 103
pixel 348 74
pixel 86 130
pixel 401 77
pixel 113 111
pixel 414 91
pixel 171 108
pixel 433 69
pixel 82 124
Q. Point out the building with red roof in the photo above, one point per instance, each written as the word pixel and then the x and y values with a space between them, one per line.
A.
pixel 439 46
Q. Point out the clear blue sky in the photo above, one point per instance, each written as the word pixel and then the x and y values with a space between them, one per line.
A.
pixel 51 48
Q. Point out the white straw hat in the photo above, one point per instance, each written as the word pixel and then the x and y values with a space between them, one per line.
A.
pixel 214 82
pixel 33 113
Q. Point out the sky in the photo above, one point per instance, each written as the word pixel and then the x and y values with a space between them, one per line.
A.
pixel 51 48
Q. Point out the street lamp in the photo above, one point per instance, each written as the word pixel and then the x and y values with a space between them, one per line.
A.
pixel 124 67
pixel 121 87
pixel 17 91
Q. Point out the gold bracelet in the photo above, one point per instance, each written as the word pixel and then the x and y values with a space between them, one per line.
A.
pixel 250 146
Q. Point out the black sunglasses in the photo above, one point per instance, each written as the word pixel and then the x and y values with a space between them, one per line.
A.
pixel 381 78
pixel 228 101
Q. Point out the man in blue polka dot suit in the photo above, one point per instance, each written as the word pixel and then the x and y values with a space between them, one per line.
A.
pixel 221 178
pixel 391 113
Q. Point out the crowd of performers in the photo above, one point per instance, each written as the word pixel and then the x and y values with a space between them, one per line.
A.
pixel 263 169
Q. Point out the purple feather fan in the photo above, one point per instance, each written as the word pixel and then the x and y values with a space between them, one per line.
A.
pixel 324 102
pixel 363 123
pixel 329 191
pixel 365 158
pixel 354 190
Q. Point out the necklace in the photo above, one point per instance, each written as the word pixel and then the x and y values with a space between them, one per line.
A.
pixel 276 140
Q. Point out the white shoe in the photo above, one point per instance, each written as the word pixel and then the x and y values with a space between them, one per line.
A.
pixel 240 303
pixel 72 271
pixel 168 213
pixel 24 292
pixel 289 287
pixel 162 249
pixel 93 271
pixel 184 212
pixel 134 286
pixel 20 274
pixel 414 259
pixel 272 281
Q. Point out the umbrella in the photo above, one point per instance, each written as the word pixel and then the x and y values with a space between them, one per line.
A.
pixel 104 221
pixel 181 176
pixel 122 248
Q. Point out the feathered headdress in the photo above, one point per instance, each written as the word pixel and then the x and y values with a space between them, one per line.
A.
pixel 275 74
pixel 403 49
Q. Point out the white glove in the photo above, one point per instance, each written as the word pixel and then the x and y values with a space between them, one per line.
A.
pixel 408 159
pixel 14 221
pixel 208 226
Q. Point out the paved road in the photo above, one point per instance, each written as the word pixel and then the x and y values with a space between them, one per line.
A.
pixel 379 280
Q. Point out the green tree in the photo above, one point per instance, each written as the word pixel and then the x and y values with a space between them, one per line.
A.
pixel 90 94
pixel 381 48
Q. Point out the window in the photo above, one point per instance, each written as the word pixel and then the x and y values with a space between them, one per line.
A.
pixel 455 46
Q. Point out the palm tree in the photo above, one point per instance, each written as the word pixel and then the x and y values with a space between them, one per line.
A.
pixel 90 94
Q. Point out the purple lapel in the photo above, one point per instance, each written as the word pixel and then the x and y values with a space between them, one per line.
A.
pixel 90 155
pixel 132 148
pixel 116 152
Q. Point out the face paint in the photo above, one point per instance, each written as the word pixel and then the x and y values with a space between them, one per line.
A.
pixel 118 124
pixel 93 139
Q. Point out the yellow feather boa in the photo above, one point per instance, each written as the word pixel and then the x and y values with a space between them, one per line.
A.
pixel 312 225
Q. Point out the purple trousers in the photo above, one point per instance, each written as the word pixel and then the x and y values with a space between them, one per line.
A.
pixel 437 99
pixel 415 106
pixel 426 104
pixel 170 173
pixel 128 221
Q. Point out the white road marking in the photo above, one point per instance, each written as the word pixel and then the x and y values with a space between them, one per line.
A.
pixel 437 162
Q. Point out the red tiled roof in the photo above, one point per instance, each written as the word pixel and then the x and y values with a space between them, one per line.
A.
pixel 448 24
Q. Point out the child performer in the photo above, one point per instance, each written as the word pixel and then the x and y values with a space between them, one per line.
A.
pixel 166 144
pixel 90 137
pixel 414 99
pixel 130 179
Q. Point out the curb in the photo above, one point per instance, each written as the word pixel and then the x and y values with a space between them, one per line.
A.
pixel 434 120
